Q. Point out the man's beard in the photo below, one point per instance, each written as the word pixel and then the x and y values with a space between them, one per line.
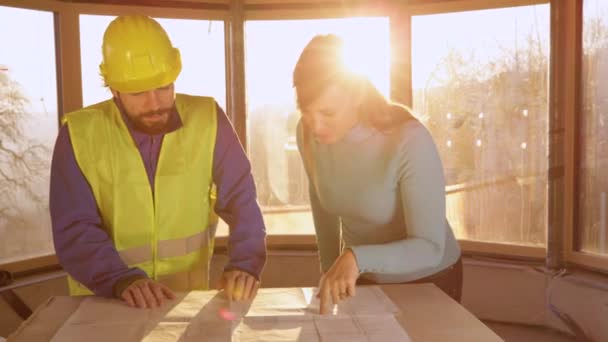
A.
pixel 147 127
pixel 152 127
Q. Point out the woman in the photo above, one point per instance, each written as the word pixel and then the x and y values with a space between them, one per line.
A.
pixel 377 189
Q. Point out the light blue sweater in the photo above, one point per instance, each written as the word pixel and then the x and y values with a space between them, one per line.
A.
pixel 381 194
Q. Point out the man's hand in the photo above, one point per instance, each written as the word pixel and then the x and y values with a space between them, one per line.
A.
pixel 239 285
pixel 338 283
pixel 146 293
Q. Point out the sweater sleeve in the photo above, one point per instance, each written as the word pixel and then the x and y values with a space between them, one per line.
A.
pixel 422 192
pixel 236 201
pixel 327 226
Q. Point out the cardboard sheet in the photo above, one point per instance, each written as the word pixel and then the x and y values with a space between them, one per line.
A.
pixel 321 328
pixel 286 314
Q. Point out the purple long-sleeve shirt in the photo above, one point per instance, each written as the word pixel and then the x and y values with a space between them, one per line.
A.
pixel 86 251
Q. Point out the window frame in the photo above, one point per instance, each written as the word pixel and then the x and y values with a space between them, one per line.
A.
pixel 566 35
pixel 571 37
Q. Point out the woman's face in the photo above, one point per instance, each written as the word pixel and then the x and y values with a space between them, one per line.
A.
pixel 332 114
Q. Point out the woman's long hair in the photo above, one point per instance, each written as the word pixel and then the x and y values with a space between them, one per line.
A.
pixel 321 64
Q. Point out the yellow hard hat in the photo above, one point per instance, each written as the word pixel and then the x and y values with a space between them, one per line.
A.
pixel 138 55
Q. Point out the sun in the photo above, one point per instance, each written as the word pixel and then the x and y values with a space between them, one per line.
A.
pixel 367 52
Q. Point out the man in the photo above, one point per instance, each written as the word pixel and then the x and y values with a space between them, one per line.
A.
pixel 133 196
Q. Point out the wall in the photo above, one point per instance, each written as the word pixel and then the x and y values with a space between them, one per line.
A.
pixel 524 294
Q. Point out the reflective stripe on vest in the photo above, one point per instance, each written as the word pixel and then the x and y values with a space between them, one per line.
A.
pixel 170 232
pixel 167 248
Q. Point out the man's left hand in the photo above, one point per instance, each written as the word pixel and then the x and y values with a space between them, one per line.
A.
pixel 239 285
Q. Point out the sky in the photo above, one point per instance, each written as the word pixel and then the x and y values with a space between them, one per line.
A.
pixel 27 35
pixel 485 32
pixel 28 54
pixel 272 48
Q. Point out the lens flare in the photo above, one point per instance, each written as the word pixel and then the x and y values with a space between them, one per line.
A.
pixel 227 314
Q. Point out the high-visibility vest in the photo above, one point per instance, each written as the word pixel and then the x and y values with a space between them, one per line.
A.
pixel 169 233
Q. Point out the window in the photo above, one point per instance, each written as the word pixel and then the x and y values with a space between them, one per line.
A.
pixel 28 127
pixel 593 147
pixel 480 84
pixel 272 49
pixel 201 45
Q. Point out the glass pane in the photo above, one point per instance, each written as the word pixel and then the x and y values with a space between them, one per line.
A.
pixel 481 89
pixel 201 45
pixel 28 127
pixel 592 201
pixel 272 49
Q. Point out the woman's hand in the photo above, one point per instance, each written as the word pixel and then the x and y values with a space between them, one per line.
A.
pixel 338 283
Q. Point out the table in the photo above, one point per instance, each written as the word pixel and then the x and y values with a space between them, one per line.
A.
pixel 426 314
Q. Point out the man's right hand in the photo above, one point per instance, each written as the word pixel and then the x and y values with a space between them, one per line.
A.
pixel 146 293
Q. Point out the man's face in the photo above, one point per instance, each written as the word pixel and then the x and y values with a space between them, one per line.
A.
pixel 148 111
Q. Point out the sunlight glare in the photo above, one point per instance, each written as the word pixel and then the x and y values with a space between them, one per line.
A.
pixel 269 75
pixel 363 51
